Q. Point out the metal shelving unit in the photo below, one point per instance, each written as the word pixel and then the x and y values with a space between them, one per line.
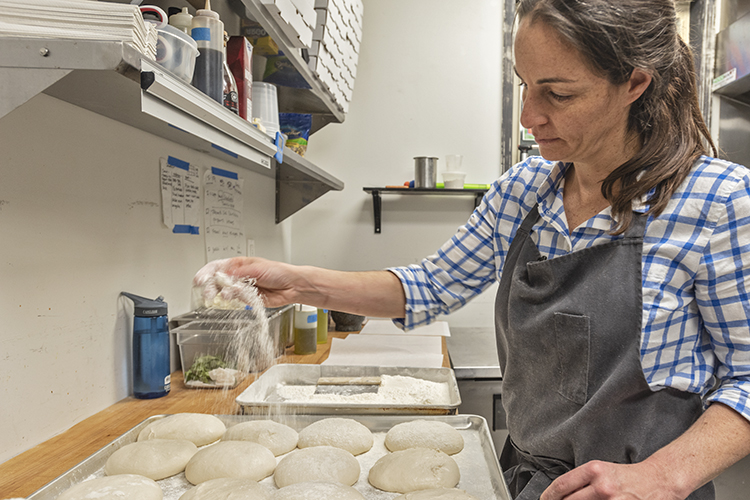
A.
pixel 316 100
pixel 116 81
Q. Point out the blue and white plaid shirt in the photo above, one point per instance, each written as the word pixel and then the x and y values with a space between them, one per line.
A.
pixel 696 263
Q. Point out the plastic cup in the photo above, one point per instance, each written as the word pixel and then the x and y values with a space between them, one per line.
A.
pixel 266 106
pixel 454 180
pixel 453 163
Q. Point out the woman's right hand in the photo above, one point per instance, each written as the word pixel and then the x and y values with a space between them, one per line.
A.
pixel 228 278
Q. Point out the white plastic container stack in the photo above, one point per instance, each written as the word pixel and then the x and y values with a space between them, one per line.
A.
pixel 266 107
pixel 335 48
pixel 296 18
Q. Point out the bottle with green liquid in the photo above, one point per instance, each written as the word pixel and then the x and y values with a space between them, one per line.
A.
pixel 322 326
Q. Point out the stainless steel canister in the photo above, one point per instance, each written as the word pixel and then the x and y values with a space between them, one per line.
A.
pixel 425 171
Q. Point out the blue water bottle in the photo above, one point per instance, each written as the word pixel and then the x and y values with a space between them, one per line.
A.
pixel 151 376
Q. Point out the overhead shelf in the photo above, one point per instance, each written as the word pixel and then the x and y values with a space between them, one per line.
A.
pixel 316 100
pixel 114 80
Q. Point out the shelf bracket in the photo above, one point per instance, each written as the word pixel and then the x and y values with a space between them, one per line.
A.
pixel 377 205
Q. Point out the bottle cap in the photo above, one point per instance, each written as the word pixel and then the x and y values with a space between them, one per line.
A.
pixel 147 307
pixel 182 20
pixel 207 12
pixel 305 316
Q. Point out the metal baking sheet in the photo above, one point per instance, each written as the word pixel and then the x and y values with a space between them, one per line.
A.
pixel 259 398
pixel 480 471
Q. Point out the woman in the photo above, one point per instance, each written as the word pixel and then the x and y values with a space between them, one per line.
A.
pixel 621 310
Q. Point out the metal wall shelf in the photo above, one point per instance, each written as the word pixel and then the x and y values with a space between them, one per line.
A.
pixel 377 202
pixel 114 80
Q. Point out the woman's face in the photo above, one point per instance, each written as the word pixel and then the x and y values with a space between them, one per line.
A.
pixel 574 114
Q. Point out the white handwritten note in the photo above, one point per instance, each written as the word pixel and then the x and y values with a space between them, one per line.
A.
pixel 180 195
pixel 223 206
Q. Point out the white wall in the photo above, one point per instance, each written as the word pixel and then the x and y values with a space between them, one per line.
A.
pixel 428 84
pixel 80 218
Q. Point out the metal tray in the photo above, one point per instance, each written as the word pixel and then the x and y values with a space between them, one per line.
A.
pixel 480 471
pixel 259 398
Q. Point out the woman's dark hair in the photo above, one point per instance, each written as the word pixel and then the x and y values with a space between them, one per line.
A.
pixel 615 37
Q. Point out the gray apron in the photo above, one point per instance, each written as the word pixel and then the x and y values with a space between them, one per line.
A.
pixel 568 335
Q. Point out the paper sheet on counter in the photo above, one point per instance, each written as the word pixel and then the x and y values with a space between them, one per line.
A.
pixel 387 350
pixel 379 326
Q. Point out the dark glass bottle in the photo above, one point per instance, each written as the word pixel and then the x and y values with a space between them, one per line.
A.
pixel 231 96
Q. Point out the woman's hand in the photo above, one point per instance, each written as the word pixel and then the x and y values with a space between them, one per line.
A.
pixel 597 480
pixel 370 293
pixel 719 438
pixel 227 278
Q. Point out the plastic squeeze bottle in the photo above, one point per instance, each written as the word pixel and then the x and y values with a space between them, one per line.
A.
pixel 183 21
pixel 305 329
pixel 208 32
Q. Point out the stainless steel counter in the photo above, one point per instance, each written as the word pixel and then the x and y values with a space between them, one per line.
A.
pixel 473 352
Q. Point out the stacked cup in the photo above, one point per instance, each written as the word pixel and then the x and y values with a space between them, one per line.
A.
pixel 453 177
pixel 266 106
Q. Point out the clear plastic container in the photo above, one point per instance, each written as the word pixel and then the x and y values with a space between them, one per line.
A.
pixel 176 51
pixel 454 180
pixel 266 107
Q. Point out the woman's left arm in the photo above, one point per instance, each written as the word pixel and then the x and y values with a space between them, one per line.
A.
pixel 718 439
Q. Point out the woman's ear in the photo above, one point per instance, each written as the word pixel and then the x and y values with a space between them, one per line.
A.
pixel 638 83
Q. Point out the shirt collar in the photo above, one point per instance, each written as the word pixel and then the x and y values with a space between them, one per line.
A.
pixel 556 179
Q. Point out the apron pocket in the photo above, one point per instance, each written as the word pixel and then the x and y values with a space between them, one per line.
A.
pixel 572 338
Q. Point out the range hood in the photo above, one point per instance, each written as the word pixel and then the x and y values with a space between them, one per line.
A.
pixel 732 76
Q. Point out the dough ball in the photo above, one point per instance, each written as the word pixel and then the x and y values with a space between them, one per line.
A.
pixel 343 433
pixel 114 488
pixel 156 458
pixel 319 463
pixel 238 459
pixel 199 428
pixel 227 488
pixel 317 490
pixel 278 438
pixel 414 469
pixel 437 494
pixel 424 434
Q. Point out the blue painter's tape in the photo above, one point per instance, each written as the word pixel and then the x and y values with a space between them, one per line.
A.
pixel 224 173
pixel 280 143
pixel 185 229
pixel 178 128
pixel 176 162
pixel 203 34
pixel 225 151
pixel 313 318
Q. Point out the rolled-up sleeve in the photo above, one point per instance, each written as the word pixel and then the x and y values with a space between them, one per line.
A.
pixel 724 301
pixel 460 270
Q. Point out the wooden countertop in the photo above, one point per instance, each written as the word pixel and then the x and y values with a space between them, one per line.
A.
pixel 24 474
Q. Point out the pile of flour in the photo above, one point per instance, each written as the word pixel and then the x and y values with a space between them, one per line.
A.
pixel 394 389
